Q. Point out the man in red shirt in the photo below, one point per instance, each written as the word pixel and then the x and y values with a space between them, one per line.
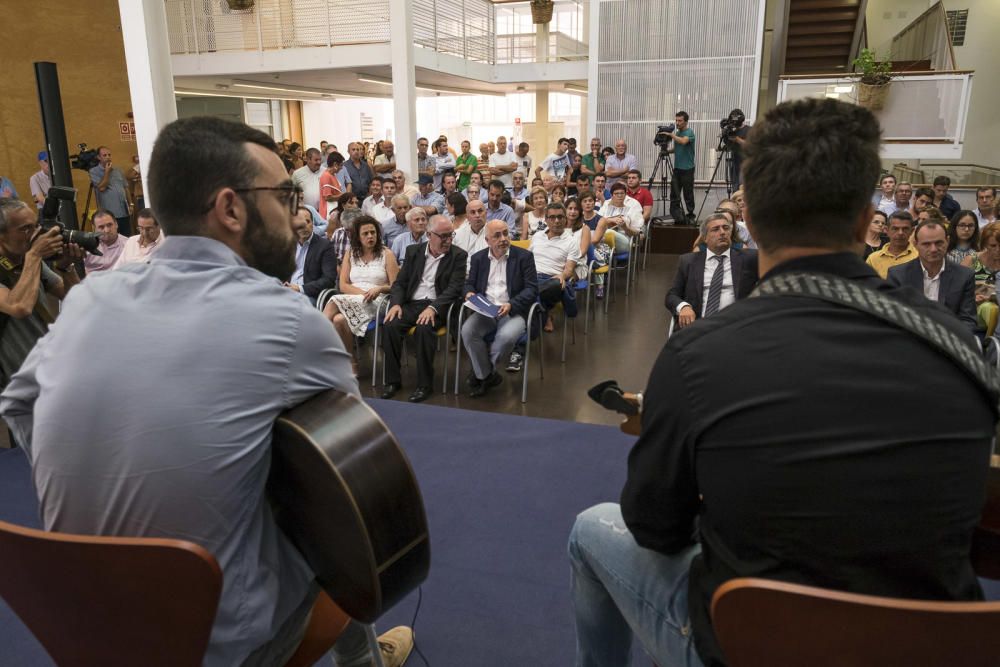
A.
pixel 634 189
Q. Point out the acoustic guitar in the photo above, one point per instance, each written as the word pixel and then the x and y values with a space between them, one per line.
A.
pixel 343 491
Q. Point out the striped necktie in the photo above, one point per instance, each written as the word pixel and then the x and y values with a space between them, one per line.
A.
pixel 715 287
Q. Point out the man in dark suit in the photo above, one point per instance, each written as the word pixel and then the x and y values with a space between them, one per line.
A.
pixel 315 260
pixel 707 282
pixel 429 282
pixel 937 278
pixel 506 274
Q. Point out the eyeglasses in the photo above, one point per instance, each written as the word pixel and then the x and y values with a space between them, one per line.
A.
pixel 444 237
pixel 290 195
pixel 965 226
pixel 555 217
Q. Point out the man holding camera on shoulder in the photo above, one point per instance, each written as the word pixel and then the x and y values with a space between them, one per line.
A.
pixel 736 136
pixel 25 278
pixel 683 180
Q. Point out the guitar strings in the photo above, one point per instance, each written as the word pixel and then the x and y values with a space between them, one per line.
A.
pixel 413 626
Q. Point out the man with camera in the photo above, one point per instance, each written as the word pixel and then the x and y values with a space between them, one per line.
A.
pixel 736 132
pixel 683 181
pixel 25 279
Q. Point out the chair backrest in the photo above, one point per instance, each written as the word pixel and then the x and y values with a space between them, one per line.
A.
pixel 759 622
pixel 111 600
pixel 609 238
pixel 522 243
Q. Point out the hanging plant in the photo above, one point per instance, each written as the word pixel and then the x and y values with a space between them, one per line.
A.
pixel 873 80
pixel 541 11
pixel 240 5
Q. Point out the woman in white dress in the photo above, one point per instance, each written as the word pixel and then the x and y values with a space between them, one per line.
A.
pixel 534 220
pixel 366 274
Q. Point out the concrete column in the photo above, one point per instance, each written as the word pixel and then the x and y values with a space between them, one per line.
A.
pixel 543 147
pixel 542 42
pixel 404 93
pixel 150 79
pixel 593 19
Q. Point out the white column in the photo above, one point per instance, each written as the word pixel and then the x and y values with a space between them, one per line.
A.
pixel 593 19
pixel 404 94
pixel 150 79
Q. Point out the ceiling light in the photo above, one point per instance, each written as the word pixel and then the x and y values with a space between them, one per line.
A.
pixel 291 89
pixel 368 78
pixel 236 95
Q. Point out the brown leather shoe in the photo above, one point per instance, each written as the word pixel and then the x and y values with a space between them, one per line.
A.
pixel 395 646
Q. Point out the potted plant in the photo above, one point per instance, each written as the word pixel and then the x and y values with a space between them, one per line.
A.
pixel 541 11
pixel 240 5
pixel 873 82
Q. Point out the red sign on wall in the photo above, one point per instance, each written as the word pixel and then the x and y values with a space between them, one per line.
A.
pixel 126 130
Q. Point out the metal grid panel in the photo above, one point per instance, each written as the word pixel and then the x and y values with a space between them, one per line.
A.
pixel 465 28
pixel 657 57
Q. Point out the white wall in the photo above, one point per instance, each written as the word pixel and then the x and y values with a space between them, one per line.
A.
pixel 980 53
pixel 339 122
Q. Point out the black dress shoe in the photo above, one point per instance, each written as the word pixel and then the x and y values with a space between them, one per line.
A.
pixel 391 389
pixel 420 394
pixel 490 381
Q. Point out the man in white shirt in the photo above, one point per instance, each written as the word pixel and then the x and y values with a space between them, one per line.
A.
pixel 306 177
pixel 503 163
pixel 374 198
pixel 524 161
pixel 386 162
pixel 443 162
pixel 138 248
pixel 556 163
pixel 619 164
pixel 506 275
pixel 623 215
pixel 402 187
pixel 885 200
pixel 557 252
pixel 471 236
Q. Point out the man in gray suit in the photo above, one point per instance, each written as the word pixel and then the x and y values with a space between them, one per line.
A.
pixel 938 279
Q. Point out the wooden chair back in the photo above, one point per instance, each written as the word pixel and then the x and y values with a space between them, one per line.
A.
pixel 110 600
pixel 760 622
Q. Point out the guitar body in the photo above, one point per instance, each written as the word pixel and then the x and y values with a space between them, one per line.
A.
pixel 343 491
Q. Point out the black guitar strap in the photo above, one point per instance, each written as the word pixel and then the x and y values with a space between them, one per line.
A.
pixel 835 289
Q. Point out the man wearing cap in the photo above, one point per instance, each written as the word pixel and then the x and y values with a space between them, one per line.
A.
pixel 431 200
pixel 41 180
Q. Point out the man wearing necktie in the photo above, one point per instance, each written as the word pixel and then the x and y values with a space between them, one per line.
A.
pixel 707 282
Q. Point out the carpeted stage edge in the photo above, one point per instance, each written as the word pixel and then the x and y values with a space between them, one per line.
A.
pixel 501 494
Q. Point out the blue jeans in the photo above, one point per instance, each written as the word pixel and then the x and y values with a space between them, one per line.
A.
pixel 483 355
pixel 621 589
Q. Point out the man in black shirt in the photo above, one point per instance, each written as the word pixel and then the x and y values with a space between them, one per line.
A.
pixel 762 453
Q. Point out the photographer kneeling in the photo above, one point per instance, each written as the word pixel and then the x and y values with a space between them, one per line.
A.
pixel 25 278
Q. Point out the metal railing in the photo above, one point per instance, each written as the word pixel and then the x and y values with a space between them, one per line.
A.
pixel 926 38
pixel 922 107
pixel 465 28
pixel 204 26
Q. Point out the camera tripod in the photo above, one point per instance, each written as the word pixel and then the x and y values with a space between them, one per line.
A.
pixel 725 154
pixel 663 159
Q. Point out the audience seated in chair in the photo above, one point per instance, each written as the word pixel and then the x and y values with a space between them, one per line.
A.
pixel 471 235
pixel 706 282
pixel 366 275
pixel 937 278
pixel 506 274
pixel 623 215
pixel 898 250
pixel 986 265
pixel 429 283
pixel 416 222
pixel 557 252
pixel 315 259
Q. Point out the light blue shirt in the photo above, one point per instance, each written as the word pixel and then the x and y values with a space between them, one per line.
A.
pixel 7 184
pixel 518 195
pixel 208 352
pixel 391 230
pixel 483 195
pixel 114 200
pixel 502 212
pixel 301 250
pixel 404 241
pixel 432 198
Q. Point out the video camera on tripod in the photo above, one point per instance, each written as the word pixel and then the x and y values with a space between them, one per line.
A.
pixel 730 126
pixel 663 135
pixel 85 160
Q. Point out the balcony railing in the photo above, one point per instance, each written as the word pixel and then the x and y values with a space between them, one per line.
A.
pixel 464 28
pixel 928 108
pixel 195 26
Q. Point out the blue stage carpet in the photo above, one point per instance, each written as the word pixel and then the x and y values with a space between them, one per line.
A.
pixel 501 494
